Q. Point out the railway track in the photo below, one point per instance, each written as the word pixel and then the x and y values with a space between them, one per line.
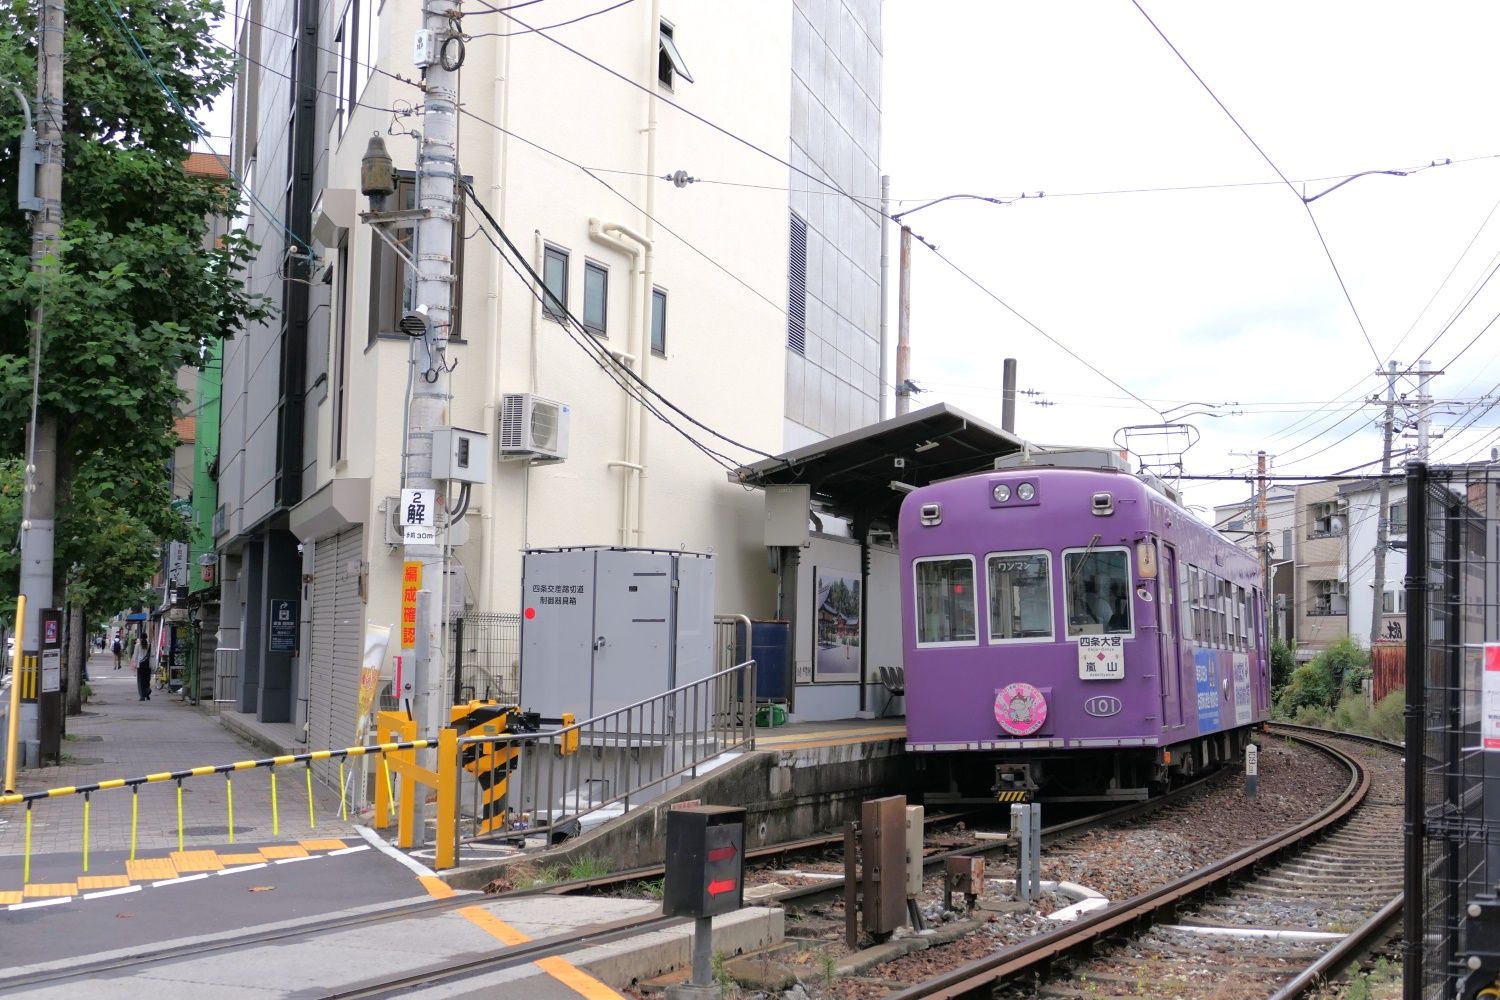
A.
pixel 1272 919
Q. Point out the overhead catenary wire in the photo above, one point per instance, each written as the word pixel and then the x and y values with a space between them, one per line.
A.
pixel 1303 200
pixel 549 27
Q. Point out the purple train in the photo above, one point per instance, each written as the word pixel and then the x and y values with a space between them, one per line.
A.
pixel 1070 628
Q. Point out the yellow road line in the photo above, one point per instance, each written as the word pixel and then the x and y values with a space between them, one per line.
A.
pixel 323 845
pixel 575 978
pixel 150 869
pixel 235 860
pixel 436 887
pixel 197 861
pixel 282 851
pixel 6 898
pixel 50 890
pixel 493 925
pixel 88 883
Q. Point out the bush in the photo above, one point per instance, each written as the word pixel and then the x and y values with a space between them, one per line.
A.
pixel 1320 682
pixel 1388 719
pixel 1283 662
pixel 1311 715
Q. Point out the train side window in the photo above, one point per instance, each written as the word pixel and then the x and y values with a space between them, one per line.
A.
pixel 1020 595
pixel 1097 591
pixel 945 601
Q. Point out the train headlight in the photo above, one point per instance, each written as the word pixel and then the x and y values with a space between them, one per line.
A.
pixel 1002 493
pixel 1025 491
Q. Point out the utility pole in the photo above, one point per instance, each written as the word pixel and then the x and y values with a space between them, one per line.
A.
pixel 39 505
pixel 1008 397
pixel 1424 376
pixel 1262 535
pixel 428 408
pixel 903 328
pixel 1382 520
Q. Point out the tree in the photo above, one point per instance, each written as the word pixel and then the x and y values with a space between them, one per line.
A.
pixel 134 291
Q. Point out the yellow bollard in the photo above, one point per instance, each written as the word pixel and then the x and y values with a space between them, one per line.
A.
pixel 179 816
pixel 26 865
pixel 390 789
pixel 229 799
pixel 343 794
pixel 135 812
pixel 85 831
pixel 311 823
pixel 275 818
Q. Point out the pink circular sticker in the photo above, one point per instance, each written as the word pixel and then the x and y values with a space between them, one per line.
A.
pixel 1020 709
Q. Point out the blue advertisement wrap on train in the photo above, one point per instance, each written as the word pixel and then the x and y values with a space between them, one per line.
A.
pixel 1206 675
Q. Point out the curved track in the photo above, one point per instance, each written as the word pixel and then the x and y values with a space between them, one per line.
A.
pixel 1223 931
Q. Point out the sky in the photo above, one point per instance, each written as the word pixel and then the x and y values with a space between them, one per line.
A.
pixel 1222 291
pixel 1223 295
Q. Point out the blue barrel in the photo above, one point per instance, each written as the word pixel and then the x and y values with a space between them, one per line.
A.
pixel 771 648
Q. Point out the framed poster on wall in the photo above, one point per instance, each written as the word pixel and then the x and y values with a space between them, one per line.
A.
pixel 836 627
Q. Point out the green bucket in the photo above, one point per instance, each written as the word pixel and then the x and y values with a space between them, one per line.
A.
pixel 770 716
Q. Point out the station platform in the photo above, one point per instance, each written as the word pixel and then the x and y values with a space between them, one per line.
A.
pixel 817 734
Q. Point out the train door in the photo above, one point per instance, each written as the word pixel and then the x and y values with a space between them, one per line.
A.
pixel 1171 645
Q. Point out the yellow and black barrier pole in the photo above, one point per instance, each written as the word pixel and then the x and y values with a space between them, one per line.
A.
pixel 13 727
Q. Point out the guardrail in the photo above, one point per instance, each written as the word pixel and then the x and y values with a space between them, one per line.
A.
pixel 226 677
pixel 554 779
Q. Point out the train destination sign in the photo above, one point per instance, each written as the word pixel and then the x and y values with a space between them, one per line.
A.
pixel 1101 657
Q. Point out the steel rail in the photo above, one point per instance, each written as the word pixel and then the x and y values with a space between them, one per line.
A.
pixel 1344 953
pixel 979 977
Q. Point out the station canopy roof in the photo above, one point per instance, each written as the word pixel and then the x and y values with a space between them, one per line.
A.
pixel 851 475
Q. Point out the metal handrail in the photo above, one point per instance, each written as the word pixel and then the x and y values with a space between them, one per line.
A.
pixel 555 778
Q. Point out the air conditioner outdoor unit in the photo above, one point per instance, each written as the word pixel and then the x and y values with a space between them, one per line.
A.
pixel 532 428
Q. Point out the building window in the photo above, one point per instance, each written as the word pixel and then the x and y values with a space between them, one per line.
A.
pixel 1398 517
pixel 344 47
pixel 555 283
pixel 1393 602
pixel 658 322
pixel 945 601
pixel 796 285
pixel 595 297
pixel 393 285
pixel 669 64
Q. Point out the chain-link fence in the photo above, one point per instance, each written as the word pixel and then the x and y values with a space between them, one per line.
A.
pixel 1452 934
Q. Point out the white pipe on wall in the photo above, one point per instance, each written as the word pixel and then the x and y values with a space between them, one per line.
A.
pixel 627 241
pixel 643 348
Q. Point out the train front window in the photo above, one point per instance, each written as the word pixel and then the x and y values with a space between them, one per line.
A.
pixel 945 602
pixel 1020 588
pixel 1097 591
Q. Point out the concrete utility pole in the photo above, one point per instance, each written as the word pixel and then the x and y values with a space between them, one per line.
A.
pixel 428 409
pixel 1262 535
pixel 39 506
pixel 1424 376
pixel 903 328
pixel 1008 396
pixel 1382 520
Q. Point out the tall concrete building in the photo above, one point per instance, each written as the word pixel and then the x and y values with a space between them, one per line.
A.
pixel 722 293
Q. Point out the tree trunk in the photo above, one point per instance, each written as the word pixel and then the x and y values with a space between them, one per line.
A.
pixel 76 656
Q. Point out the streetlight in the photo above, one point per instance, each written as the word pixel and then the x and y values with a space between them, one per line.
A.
pixel 903 318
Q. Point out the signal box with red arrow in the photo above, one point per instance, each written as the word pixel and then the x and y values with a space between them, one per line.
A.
pixel 705 861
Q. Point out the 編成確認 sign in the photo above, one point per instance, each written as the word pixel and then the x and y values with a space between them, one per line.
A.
pixel 282 637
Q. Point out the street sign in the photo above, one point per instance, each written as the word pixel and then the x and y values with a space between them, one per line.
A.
pixel 416 508
pixel 418 534
pixel 282 637
pixel 706 855
pixel 411 582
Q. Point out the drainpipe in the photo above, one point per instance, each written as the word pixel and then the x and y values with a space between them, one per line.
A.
pixel 498 190
pixel 653 46
pixel 627 241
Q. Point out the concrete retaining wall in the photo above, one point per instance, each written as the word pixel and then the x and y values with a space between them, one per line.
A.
pixel 787 794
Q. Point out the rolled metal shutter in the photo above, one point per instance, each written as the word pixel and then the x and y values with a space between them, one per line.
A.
pixel 321 656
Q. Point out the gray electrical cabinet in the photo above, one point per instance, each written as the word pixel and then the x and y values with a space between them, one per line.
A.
pixel 602 628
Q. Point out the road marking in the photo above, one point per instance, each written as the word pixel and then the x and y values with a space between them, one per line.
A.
pixel 241 868
pixel 182 878
pixel 38 890
pixel 112 892
pixel 103 881
pixel 282 851
pixel 253 858
pixel 436 887
pixel 290 861
pixel 328 846
pixel 150 869
pixel 196 861
pixel 349 850
pixel 40 902
pixel 380 845
pixel 8 897
pixel 575 979
pixel 493 925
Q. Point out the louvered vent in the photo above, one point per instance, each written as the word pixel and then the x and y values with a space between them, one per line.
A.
pixel 796 285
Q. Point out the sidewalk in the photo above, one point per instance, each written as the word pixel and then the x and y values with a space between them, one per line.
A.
pixel 119 736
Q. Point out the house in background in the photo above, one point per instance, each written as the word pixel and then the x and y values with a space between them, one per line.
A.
pixel 1321 592
pixel 1240 523
pixel 1363 513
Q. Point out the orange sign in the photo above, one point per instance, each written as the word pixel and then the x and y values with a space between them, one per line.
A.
pixel 411 582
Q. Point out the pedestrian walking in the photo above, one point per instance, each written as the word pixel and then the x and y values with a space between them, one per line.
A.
pixel 118 648
pixel 143 666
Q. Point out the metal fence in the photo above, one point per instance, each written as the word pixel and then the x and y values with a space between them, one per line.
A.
pixel 486 658
pixel 1452 933
pixel 633 754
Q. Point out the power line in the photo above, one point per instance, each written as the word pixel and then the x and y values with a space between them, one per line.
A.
pixel 1305 202
pixel 549 27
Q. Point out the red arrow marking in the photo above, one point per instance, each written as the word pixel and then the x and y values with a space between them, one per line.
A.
pixel 722 853
pixel 720 886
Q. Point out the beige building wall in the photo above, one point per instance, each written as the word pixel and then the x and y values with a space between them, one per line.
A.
pixel 1321 592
